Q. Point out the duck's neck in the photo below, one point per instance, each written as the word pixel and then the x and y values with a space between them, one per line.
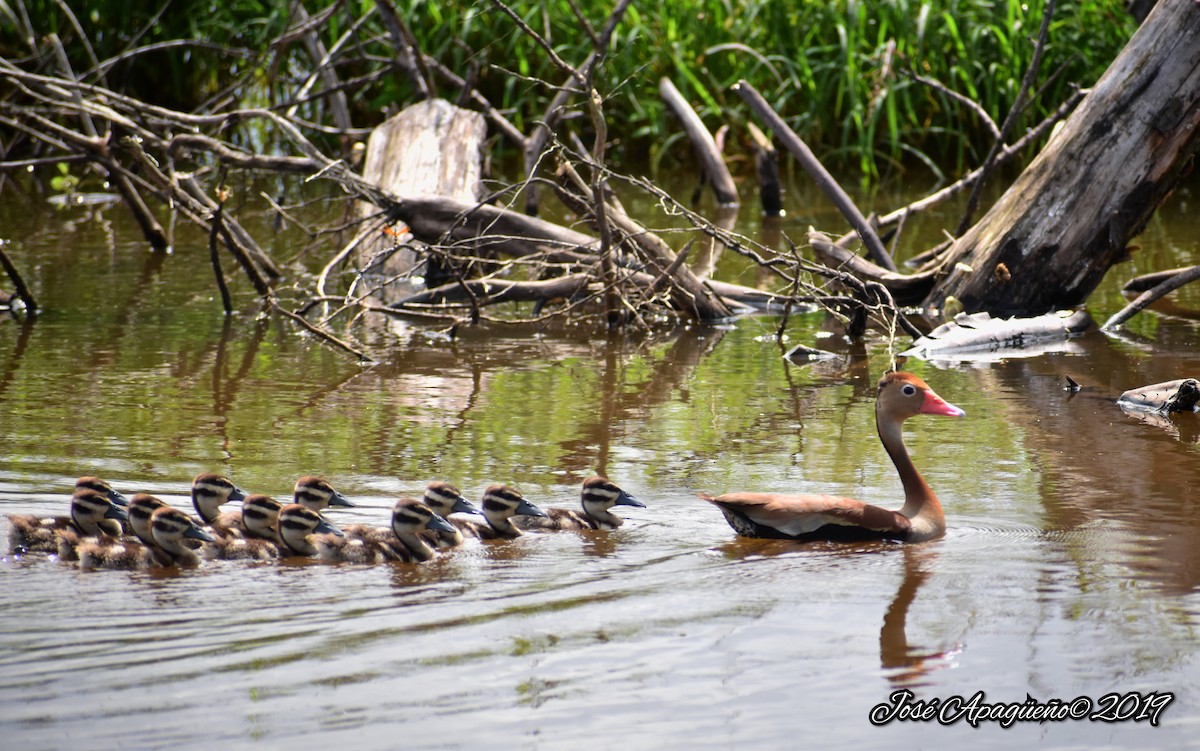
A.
pixel 919 498
pixel 601 516
pixel 415 545
pixel 502 524
pixel 175 549
pixel 207 506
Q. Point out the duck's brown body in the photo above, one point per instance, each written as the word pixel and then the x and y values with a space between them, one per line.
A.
pixel 780 515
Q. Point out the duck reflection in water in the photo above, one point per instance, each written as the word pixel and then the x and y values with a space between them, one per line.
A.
pixel 907 665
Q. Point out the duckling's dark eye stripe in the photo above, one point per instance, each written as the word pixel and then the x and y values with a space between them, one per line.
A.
pixel 294 524
pixel 492 504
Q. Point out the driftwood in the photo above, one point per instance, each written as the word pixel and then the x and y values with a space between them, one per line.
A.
pixel 1180 395
pixel 1169 282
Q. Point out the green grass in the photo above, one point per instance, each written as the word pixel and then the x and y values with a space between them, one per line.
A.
pixel 832 69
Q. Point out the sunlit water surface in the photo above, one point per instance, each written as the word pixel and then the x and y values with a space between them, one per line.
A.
pixel 1070 568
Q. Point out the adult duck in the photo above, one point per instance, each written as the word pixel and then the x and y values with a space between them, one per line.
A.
pixel 899 397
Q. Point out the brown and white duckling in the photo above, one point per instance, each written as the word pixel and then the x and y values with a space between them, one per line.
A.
pixel 139 511
pixel 92 513
pixel 296 527
pixel 445 500
pixel 209 491
pixel 169 527
pixel 317 494
pixel 599 495
pixel 363 544
pixel 257 538
pixel 500 504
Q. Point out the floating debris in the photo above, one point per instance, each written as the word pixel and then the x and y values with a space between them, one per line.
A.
pixel 978 336
pixel 1180 395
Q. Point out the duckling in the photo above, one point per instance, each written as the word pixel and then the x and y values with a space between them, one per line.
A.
pixel 108 526
pixel 500 504
pixel 317 494
pixel 209 491
pixel 168 528
pixel 599 495
pixel 445 500
pixel 257 541
pixel 92 513
pixel 141 507
pixel 363 544
pixel 296 527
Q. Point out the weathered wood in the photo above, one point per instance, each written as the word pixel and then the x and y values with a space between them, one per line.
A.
pixel 430 151
pixel 1051 237
pixel 703 142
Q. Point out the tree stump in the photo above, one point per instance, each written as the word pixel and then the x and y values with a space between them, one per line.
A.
pixel 431 149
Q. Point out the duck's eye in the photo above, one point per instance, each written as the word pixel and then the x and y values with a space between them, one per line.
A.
pixel 908 389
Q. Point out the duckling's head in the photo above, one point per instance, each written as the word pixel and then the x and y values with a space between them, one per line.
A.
pixel 444 499
pixel 410 516
pixel 317 494
pixel 500 502
pixel 602 493
pixel 260 515
pixel 100 486
pixel 210 490
pixel 169 526
pixel 297 523
pixel 141 507
pixel 90 509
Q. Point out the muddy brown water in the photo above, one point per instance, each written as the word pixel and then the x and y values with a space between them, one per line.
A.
pixel 1069 573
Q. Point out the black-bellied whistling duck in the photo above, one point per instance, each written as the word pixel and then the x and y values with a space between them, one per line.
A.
pixel 500 504
pixel 169 527
pixel 403 543
pixel 599 495
pixel 209 492
pixel 257 538
pixel 317 494
pixel 899 397
pixel 445 500
pixel 297 525
pixel 92 513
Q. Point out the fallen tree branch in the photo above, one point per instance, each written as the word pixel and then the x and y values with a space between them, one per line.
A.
pixel 817 171
pixel 1172 283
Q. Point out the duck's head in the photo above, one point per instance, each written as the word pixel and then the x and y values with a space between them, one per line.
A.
pixel 90 509
pixel 902 395
pixel 410 516
pixel 317 494
pixel 500 502
pixel 141 507
pixel 210 490
pixel 602 494
pixel 445 499
pixel 260 515
pixel 100 486
pixel 169 526
pixel 297 522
